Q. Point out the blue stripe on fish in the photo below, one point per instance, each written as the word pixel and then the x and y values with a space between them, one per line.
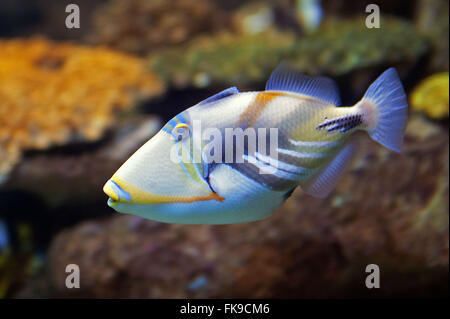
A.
pixel 181 118
pixel 119 191
pixel 172 123
pixel 165 129
pixel 220 95
pixel 191 159
pixel 183 147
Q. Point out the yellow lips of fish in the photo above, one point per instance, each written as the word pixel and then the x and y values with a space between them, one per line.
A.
pixel 122 192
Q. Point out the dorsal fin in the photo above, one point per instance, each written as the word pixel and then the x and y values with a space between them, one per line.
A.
pixel 220 95
pixel 283 78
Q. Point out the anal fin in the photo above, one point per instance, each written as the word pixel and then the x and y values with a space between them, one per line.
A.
pixel 326 179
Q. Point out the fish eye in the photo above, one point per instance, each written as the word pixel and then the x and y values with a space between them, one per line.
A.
pixel 181 132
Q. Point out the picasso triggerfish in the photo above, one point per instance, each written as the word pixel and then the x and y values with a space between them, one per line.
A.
pixel 237 156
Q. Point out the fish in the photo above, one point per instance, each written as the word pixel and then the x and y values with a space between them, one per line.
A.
pixel 237 156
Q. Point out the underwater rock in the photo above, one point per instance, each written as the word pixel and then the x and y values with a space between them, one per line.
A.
pixel 53 94
pixel 389 209
pixel 431 96
pixel 140 26
pixel 337 48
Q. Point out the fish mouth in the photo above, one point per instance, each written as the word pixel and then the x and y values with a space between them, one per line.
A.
pixel 115 193
pixel 112 202
pixel 122 193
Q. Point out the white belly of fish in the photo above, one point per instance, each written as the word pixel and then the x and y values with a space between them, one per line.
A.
pixel 245 201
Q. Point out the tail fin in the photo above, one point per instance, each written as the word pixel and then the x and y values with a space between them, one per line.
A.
pixel 385 110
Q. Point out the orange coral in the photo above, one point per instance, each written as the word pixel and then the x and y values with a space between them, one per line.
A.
pixel 53 93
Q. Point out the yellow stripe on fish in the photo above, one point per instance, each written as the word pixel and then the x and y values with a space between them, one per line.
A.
pixel 254 109
pixel 140 196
